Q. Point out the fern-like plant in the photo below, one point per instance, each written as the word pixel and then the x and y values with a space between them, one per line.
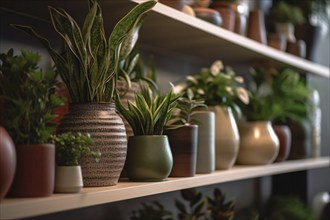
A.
pixel 88 62
pixel 150 112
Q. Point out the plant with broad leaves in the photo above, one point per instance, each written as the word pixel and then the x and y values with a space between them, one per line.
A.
pixel 27 95
pixel 217 86
pixel 71 147
pixel 150 112
pixel 89 61
pixel 197 205
pixel 218 208
pixel 152 211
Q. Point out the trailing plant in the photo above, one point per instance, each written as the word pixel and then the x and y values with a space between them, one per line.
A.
pixel 88 61
pixel 28 97
pixel 218 86
pixel 282 97
pixel 152 211
pixel 134 69
pixel 197 205
pixel 218 208
pixel 150 112
pixel 71 147
pixel 185 109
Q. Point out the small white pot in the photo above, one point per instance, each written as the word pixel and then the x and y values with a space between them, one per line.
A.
pixel 68 179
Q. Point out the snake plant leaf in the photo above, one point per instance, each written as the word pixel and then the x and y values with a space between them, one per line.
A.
pixel 125 25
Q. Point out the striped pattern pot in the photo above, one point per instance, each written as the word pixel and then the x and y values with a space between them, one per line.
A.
pixel 108 132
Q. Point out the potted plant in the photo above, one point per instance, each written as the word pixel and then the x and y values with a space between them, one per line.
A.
pixel 183 135
pixel 149 155
pixel 88 66
pixel 70 148
pixel 28 97
pixel 219 87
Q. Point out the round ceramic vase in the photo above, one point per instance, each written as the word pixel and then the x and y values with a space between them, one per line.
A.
pixel 149 158
pixel 206 141
pixel 68 179
pixel 226 137
pixel 183 143
pixel 109 137
pixel 7 162
pixel 259 144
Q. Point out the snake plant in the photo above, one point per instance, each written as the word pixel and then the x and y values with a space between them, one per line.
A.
pixel 88 61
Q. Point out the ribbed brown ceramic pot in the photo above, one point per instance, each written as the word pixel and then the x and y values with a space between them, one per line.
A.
pixel 108 132
pixel 35 171
pixel 183 143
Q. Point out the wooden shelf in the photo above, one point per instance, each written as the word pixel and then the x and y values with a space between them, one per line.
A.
pixel 12 208
pixel 167 30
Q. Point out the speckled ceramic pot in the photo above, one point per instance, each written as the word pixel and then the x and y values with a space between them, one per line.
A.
pixel 108 132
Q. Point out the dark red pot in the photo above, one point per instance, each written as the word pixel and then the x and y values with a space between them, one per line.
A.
pixel 7 162
pixel 183 143
pixel 284 135
pixel 35 173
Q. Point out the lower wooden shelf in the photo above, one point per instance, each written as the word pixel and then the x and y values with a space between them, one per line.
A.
pixel 12 208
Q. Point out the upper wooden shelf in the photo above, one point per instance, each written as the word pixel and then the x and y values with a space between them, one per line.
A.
pixel 13 208
pixel 167 30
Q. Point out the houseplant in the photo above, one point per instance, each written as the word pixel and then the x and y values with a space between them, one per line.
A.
pixel 88 65
pixel 70 148
pixel 220 88
pixel 28 97
pixel 183 136
pixel 149 156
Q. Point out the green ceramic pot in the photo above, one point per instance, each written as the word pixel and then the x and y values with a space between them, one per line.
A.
pixel 149 158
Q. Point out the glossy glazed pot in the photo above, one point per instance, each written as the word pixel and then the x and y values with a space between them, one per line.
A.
pixel 226 137
pixel 206 141
pixel 68 179
pixel 109 137
pixel 183 143
pixel 209 15
pixel 259 144
pixel 35 171
pixel 7 162
pixel 149 158
pixel 283 134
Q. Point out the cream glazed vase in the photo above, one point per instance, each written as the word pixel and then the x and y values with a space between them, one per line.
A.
pixel 259 144
pixel 226 137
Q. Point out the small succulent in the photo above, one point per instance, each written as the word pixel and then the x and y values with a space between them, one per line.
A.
pixel 71 147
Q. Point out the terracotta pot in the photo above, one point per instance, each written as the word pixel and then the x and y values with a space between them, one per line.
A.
pixel 35 172
pixel 259 144
pixel 283 134
pixel 256 27
pixel 297 48
pixel 301 140
pixel 277 41
pixel 108 132
pixel 206 141
pixel 7 162
pixel 227 14
pixel 226 137
pixel 68 179
pixel 183 143
pixel 149 158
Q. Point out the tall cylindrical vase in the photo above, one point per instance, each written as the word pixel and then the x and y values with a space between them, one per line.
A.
pixel 226 137
pixel 259 144
pixel 256 27
pixel 108 132
pixel 206 141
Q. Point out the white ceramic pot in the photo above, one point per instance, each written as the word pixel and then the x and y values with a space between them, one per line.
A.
pixel 226 137
pixel 68 179
pixel 205 162
pixel 259 144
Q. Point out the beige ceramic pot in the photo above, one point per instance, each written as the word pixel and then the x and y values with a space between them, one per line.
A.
pixel 259 144
pixel 68 179
pixel 226 137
